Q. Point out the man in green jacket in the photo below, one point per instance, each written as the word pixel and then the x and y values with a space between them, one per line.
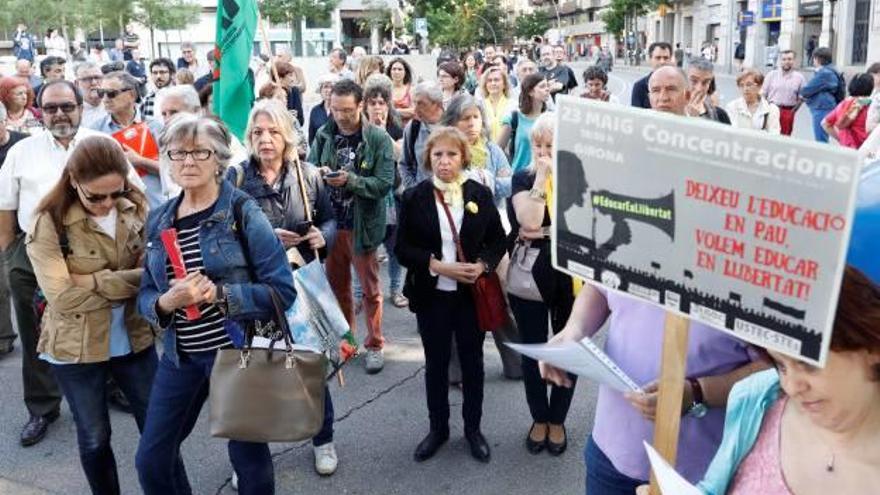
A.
pixel 357 162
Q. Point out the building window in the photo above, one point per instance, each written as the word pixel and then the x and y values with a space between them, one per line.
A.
pixel 860 32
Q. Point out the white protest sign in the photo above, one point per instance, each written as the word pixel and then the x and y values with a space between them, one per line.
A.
pixel 734 228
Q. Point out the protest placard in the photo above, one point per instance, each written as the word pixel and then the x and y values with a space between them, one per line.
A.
pixel 733 228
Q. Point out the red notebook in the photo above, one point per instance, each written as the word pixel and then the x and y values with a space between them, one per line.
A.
pixel 139 138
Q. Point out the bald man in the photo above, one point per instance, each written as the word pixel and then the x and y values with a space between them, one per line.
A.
pixel 668 90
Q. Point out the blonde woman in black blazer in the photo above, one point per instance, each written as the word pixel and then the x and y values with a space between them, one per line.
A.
pixel 438 284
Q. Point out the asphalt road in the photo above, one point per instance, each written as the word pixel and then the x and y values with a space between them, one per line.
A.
pixel 379 420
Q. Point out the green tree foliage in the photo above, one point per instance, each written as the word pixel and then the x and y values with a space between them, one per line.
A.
pixel 462 23
pixel 293 12
pixel 166 15
pixel 622 12
pixel 528 26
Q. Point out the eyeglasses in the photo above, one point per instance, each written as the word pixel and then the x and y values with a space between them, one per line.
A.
pixel 100 198
pixel 180 155
pixel 52 108
pixel 91 79
pixel 112 93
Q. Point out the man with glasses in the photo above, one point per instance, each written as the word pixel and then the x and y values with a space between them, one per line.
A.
pixel 32 168
pixel 356 160
pixel 88 81
pixel 161 76
pixel 188 60
pixel 120 96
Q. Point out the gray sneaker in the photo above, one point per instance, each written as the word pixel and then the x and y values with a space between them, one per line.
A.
pixel 375 361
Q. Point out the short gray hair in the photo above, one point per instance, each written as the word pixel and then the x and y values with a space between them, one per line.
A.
pixel 88 64
pixel 185 92
pixel 701 64
pixel 430 90
pixel 328 78
pixel 188 128
pixel 458 106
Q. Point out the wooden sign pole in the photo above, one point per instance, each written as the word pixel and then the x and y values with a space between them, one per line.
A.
pixel 672 376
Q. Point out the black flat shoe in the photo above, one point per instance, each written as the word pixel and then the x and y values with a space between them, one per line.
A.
pixel 557 448
pixel 35 429
pixel 430 445
pixel 535 447
pixel 479 447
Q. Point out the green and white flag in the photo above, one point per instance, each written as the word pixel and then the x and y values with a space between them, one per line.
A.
pixel 234 86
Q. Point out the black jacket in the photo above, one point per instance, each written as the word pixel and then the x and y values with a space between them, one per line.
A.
pixel 418 236
pixel 640 97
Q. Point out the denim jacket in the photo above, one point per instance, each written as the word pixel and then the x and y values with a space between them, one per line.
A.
pixel 224 264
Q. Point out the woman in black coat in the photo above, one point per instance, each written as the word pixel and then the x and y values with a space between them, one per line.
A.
pixel 438 283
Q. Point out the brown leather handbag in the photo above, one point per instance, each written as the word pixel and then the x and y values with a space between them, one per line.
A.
pixel 489 301
pixel 267 395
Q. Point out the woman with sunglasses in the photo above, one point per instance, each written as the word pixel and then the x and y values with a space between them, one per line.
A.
pixel 86 246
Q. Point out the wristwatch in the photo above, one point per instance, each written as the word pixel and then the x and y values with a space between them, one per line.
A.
pixel 221 299
pixel 698 407
pixel 536 193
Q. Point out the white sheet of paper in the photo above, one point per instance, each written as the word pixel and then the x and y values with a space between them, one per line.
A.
pixel 671 483
pixel 263 343
pixel 581 358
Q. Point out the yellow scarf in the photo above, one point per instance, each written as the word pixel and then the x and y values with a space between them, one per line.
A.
pixel 479 154
pixel 576 283
pixel 452 192
pixel 494 114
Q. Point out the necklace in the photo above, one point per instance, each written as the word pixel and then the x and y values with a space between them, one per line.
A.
pixel 829 467
pixel 187 210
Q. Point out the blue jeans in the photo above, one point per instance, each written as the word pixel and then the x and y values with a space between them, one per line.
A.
pixel 602 477
pixel 84 387
pixel 818 132
pixel 326 433
pixel 175 402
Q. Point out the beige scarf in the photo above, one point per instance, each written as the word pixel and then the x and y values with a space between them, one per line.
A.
pixel 452 192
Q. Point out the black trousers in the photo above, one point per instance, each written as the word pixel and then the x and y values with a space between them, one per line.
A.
pixel 448 314
pixel 532 322
pixel 42 395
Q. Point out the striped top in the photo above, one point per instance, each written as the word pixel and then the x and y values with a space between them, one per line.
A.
pixel 207 333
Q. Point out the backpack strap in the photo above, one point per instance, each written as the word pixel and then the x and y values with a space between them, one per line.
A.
pixel 64 243
pixel 514 123
pixel 239 227
pixel 414 127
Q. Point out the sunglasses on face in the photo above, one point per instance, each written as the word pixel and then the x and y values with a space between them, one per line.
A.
pixel 112 93
pixel 99 198
pixel 52 108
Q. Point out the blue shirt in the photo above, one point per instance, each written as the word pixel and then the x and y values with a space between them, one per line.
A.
pixel 522 155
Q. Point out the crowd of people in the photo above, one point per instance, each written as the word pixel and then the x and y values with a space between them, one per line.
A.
pixel 446 178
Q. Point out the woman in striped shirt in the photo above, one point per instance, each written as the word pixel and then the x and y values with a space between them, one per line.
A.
pixel 231 257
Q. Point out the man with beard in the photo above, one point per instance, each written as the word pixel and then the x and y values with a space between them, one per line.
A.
pixel 560 77
pixel 88 81
pixel 31 169
pixel 161 75
pixel 781 88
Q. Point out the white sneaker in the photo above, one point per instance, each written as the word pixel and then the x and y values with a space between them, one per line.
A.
pixel 375 361
pixel 325 459
pixel 234 481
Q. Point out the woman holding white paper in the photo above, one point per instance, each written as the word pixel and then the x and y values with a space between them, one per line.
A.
pixel 529 214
